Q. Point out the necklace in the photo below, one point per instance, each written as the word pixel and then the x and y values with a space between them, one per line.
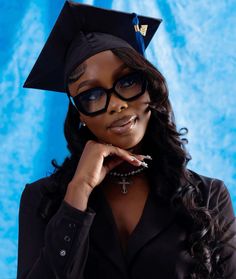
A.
pixel 124 178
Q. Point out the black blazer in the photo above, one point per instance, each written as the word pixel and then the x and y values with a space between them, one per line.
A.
pixel 77 245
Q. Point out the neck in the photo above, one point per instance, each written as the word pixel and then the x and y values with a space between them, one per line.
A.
pixel 114 186
pixel 137 149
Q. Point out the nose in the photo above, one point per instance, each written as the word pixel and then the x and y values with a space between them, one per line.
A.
pixel 116 104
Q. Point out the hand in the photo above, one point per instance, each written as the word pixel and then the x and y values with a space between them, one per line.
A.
pixel 99 159
pixel 96 161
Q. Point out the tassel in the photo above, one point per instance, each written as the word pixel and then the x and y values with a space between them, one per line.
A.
pixel 139 33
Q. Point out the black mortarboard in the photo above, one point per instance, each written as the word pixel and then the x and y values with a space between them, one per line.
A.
pixel 80 32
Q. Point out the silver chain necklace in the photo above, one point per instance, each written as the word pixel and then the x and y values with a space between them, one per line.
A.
pixel 123 178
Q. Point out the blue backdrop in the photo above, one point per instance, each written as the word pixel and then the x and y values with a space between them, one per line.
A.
pixel 195 50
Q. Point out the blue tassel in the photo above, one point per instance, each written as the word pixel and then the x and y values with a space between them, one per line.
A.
pixel 139 36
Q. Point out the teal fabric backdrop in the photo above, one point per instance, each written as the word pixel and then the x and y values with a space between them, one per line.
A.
pixel 195 50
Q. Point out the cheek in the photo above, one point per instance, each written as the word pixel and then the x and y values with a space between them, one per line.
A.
pixel 142 103
pixel 95 124
pixel 144 99
pixel 144 111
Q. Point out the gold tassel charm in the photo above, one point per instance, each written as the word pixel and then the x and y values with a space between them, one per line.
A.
pixel 142 29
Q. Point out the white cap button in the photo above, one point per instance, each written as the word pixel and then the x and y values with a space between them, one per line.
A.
pixel 67 238
pixel 62 253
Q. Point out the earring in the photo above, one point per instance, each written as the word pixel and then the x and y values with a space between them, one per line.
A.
pixel 83 124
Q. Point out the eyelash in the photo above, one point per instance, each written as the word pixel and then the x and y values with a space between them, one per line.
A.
pixel 124 74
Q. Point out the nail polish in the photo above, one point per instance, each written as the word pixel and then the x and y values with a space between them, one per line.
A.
pixel 148 157
pixel 132 158
pixel 144 164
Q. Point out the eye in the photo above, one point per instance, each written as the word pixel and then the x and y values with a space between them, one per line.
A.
pixel 129 81
pixel 94 95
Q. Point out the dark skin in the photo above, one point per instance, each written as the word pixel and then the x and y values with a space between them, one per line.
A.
pixel 127 209
pixel 124 150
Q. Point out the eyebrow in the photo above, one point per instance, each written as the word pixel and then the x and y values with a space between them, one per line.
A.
pixel 77 73
pixel 89 81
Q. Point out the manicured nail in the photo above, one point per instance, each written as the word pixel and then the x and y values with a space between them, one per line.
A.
pixel 148 157
pixel 144 164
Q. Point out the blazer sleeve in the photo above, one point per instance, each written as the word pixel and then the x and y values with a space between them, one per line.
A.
pixel 49 250
pixel 221 199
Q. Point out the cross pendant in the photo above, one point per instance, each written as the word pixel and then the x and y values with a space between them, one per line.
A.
pixel 124 182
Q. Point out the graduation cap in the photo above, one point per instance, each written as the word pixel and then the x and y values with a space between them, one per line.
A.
pixel 82 31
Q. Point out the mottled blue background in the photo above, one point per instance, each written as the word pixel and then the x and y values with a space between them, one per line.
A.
pixel 195 50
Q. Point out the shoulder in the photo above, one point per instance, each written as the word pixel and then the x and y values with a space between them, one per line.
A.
pixel 208 185
pixel 214 192
pixel 33 192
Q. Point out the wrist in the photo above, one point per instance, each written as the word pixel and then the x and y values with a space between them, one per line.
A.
pixel 77 195
pixel 80 187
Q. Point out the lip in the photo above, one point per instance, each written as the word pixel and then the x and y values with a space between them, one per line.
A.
pixel 123 125
pixel 122 121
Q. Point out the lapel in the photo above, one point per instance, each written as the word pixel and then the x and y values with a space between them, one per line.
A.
pixel 103 232
pixel 155 218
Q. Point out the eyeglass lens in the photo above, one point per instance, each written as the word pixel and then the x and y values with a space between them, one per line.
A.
pixel 95 99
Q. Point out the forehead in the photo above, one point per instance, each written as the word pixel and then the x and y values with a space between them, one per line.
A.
pixel 102 67
pixel 101 62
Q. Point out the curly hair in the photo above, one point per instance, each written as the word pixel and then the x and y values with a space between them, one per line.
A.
pixel 168 169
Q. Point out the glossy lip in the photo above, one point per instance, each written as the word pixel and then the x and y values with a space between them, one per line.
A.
pixel 124 129
pixel 122 121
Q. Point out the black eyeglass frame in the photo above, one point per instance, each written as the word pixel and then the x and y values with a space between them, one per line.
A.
pixel 80 108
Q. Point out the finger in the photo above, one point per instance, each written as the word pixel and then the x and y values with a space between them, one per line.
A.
pixel 123 154
pixel 143 157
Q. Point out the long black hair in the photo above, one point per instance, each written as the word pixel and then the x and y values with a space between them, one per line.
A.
pixel 166 145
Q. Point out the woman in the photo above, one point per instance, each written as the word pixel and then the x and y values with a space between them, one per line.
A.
pixel 123 204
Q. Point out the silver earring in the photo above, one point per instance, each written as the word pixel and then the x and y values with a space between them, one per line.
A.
pixel 83 124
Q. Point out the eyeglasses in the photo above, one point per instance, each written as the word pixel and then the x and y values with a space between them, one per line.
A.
pixel 95 101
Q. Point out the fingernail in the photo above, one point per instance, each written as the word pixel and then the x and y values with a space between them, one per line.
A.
pixel 148 157
pixel 132 158
pixel 144 164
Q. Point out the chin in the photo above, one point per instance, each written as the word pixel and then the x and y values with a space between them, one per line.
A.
pixel 128 142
